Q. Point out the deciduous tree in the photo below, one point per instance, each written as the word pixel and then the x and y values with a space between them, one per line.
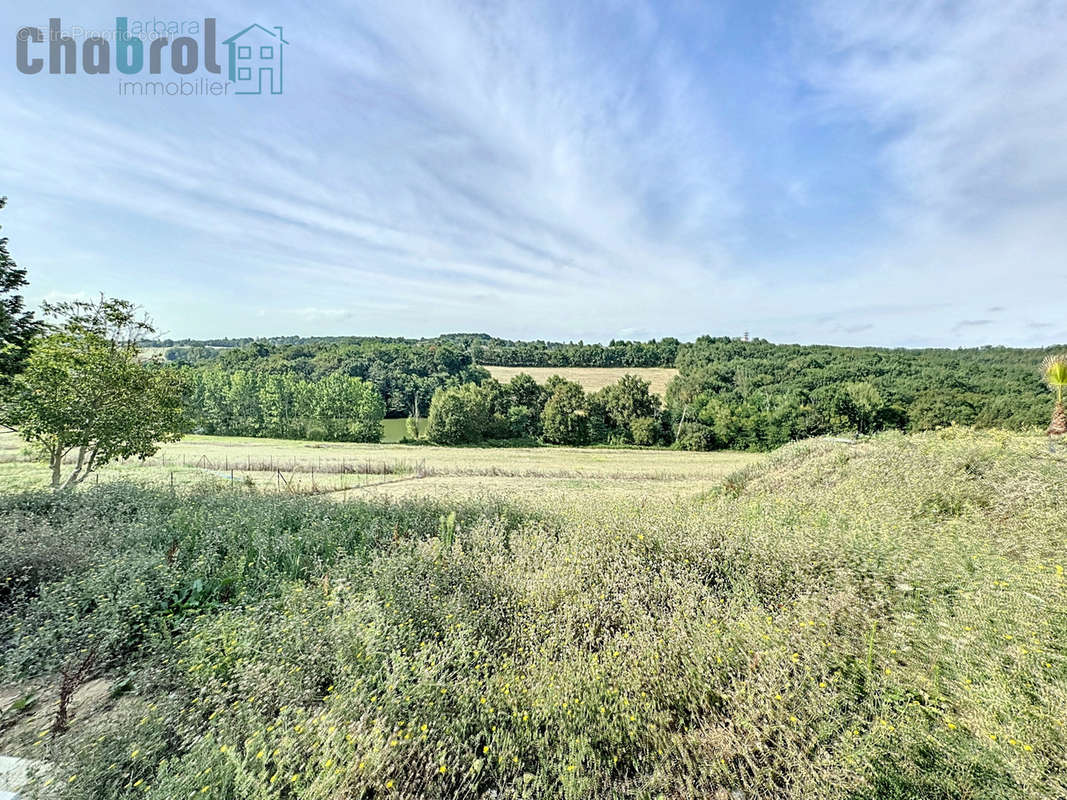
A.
pixel 85 392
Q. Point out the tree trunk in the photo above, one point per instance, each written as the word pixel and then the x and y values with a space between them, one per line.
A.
pixel 55 461
pixel 75 476
pixel 1058 426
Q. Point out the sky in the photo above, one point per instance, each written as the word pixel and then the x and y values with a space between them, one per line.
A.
pixel 835 171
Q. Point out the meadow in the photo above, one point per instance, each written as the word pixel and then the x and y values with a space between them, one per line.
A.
pixel 342 470
pixel 885 619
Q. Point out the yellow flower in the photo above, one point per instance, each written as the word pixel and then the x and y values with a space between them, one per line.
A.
pixel 442 769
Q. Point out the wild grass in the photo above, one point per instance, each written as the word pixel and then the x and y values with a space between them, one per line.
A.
pixel 344 470
pixel 884 620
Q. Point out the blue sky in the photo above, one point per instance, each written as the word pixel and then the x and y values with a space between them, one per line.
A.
pixel 835 171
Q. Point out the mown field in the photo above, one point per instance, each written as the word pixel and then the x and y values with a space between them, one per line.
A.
pixel 592 379
pixel 346 471
pixel 880 620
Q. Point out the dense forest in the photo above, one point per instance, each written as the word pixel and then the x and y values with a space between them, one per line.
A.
pixel 758 395
pixel 481 347
pixel 729 393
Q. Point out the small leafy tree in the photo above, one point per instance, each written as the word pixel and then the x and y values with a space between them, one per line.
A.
pixel 18 326
pixel 84 391
pixel 861 404
pixel 626 401
pixel 1055 371
pixel 411 427
pixel 566 416
pixel 459 415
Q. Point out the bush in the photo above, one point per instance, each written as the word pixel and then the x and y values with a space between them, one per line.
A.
pixel 644 430
pixel 566 416
pixel 776 638
pixel 695 436
pixel 459 415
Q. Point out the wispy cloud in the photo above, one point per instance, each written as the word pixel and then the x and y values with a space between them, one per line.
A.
pixel 546 169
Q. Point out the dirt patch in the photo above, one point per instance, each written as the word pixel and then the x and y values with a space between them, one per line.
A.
pixel 28 711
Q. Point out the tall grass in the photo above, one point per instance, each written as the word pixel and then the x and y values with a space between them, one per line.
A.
pixel 887 620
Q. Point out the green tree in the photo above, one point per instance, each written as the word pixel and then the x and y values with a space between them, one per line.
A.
pixel 644 431
pixel 625 401
pixel 84 391
pixel 18 326
pixel 860 403
pixel 566 416
pixel 1055 372
pixel 348 409
pixel 459 415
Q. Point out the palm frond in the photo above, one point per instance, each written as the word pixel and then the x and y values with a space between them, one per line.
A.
pixel 1054 368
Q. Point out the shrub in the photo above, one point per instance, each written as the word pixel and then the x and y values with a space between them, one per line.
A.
pixel 566 416
pixel 459 415
pixel 644 430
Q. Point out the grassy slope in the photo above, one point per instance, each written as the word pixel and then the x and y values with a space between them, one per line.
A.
pixel 887 620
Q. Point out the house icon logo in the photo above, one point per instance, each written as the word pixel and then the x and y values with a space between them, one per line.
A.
pixel 256 60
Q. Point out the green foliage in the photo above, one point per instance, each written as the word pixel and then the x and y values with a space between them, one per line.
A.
pixel 459 415
pixel 243 403
pixel 758 395
pixel 18 326
pixel 482 348
pixel 645 431
pixel 83 394
pixel 775 639
pixel 411 427
pixel 566 416
pixel 624 402
pixel 745 395
pixel 1054 370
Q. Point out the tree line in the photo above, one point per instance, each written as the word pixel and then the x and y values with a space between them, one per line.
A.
pixel 406 375
pixel 337 407
pixel 729 394
pixel 558 412
pixel 755 395
pixel 479 347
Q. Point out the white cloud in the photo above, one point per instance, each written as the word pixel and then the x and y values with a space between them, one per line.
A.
pixel 971 97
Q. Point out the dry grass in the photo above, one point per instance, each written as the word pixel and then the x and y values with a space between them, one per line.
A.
pixel 403 470
pixel 878 621
pixel 591 378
